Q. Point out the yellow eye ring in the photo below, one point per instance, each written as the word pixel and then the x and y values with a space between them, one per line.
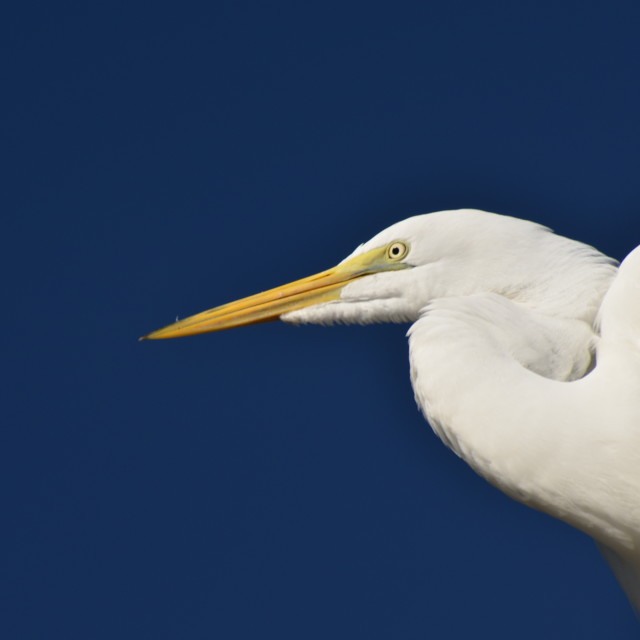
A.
pixel 397 250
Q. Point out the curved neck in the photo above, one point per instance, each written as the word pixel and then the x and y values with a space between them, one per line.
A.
pixel 473 368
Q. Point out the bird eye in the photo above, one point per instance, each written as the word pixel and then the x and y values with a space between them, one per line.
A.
pixel 397 250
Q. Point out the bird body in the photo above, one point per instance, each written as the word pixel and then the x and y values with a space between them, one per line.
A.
pixel 507 363
pixel 571 449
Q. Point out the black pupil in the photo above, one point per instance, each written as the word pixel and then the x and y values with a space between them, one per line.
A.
pixel 395 251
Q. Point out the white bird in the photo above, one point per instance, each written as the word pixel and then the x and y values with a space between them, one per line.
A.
pixel 506 361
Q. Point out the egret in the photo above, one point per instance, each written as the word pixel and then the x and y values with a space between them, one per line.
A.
pixel 524 352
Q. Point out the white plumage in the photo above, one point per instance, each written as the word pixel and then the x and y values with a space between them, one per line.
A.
pixel 507 362
pixel 571 449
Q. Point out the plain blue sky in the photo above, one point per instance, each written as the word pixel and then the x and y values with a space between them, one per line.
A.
pixel 275 481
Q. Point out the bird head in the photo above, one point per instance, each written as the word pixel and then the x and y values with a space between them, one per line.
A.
pixel 391 277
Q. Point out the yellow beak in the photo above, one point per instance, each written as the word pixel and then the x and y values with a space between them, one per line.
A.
pixel 270 305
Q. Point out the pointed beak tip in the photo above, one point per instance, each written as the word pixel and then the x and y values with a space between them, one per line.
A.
pixel 272 304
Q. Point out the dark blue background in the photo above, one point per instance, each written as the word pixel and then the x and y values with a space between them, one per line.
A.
pixel 276 481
